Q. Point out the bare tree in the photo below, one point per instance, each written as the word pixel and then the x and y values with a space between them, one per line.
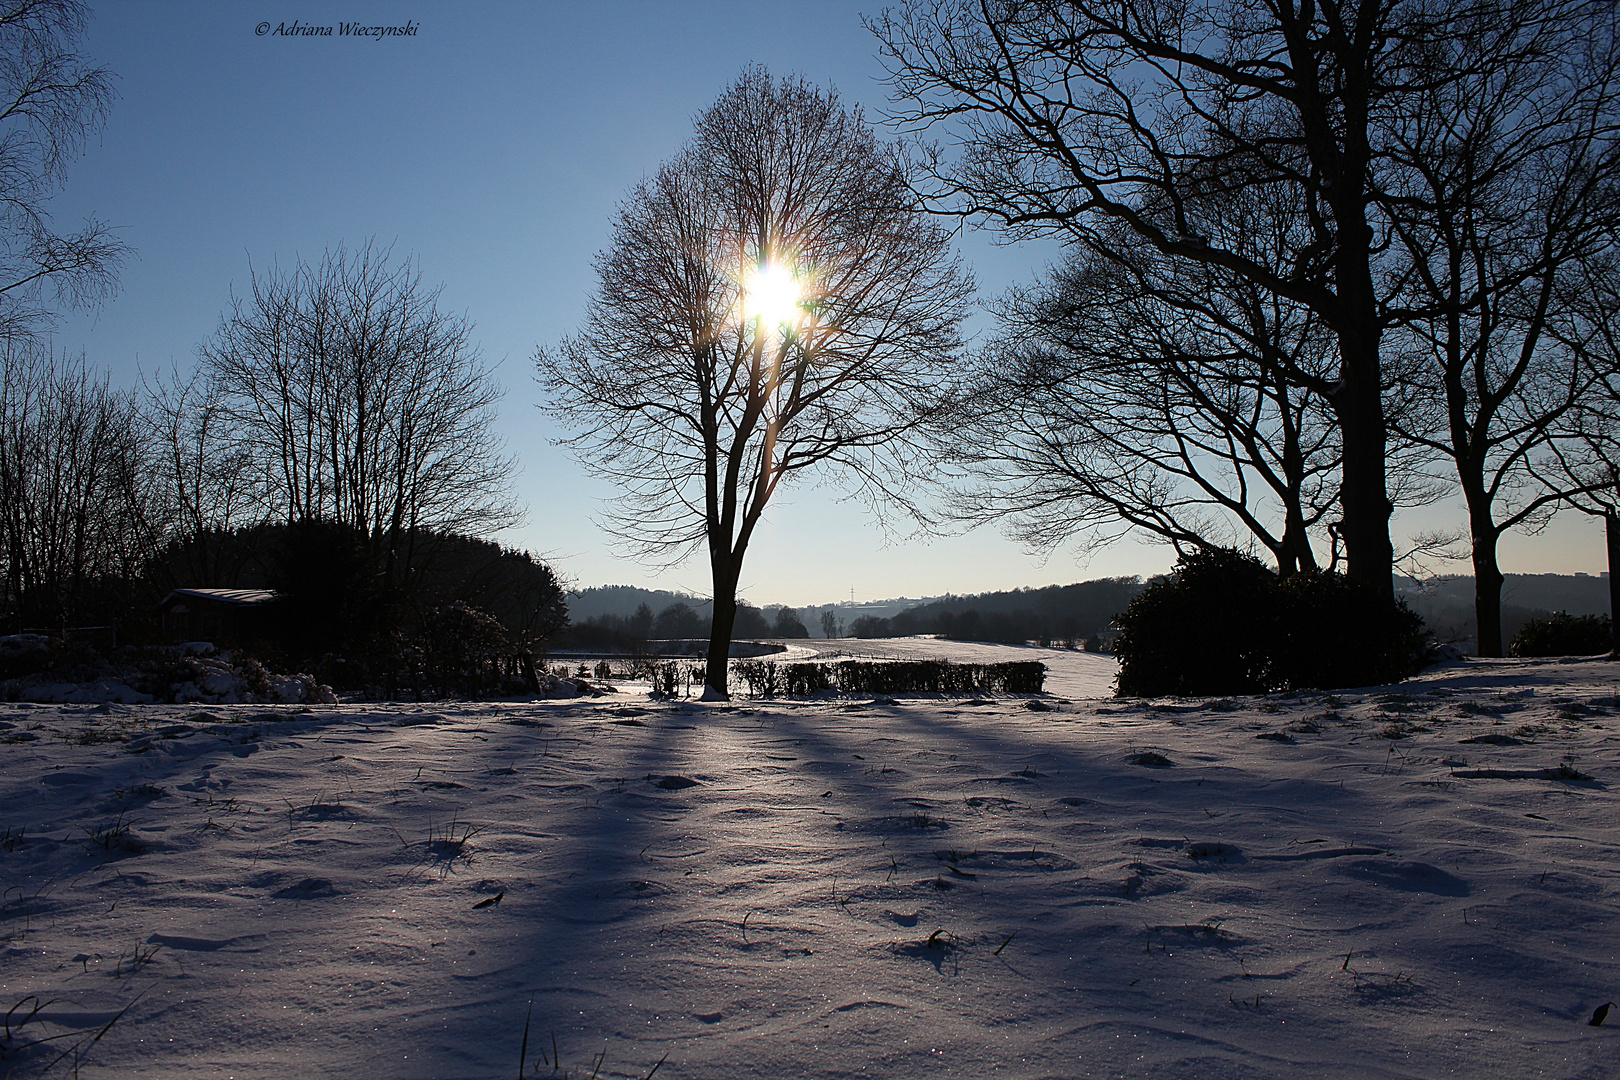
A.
pixel 773 303
pixel 357 401
pixel 206 475
pixel 1076 117
pixel 1507 216
pixel 1134 393
pixel 1581 464
pixel 51 100
pixel 74 488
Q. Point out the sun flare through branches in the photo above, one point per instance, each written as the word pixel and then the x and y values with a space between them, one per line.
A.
pixel 774 305
pixel 773 294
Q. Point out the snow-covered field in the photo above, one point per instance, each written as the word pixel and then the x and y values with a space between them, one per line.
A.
pixel 1419 881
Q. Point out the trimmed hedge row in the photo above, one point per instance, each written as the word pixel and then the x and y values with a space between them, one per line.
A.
pixel 766 678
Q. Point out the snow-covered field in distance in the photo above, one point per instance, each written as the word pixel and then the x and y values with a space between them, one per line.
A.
pixel 1416 881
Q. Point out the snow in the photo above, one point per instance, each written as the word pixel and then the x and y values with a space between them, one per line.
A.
pixel 1415 881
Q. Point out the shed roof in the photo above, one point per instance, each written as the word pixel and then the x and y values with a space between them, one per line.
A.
pixel 236 597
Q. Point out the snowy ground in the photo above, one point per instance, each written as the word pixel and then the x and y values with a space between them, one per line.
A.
pixel 1414 882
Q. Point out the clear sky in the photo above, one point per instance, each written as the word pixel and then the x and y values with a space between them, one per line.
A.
pixel 494 144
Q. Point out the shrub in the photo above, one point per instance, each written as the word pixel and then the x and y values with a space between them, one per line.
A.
pixel 1564 635
pixel 462 647
pixel 1338 632
pixel 1224 623
pixel 1207 629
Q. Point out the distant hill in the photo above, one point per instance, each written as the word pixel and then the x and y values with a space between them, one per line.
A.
pixel 1072 612
pixel 1447 603
pixel 622 600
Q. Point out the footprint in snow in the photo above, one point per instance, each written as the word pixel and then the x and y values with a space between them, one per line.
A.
pixel 308 889
pixel 63 779
pixel 1407 876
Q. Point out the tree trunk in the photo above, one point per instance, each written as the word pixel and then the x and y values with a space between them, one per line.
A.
pixel 1611 531
pixel 1487 595
pixel 1359 407
pixel 1294 554
pixel 726 570
pixel 1482 536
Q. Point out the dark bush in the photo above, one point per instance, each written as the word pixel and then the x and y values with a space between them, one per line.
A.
pixel 1208 629
pixel 1224 623
pixel 1338 632
pixel 1564 635
pixel 462 648
pixel 335 614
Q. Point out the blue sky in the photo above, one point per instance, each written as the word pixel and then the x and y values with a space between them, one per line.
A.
pixel 494 145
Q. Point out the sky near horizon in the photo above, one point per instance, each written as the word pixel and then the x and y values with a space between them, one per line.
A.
pixel 493 144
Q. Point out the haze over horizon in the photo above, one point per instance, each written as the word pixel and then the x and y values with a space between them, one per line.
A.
pixel 493 144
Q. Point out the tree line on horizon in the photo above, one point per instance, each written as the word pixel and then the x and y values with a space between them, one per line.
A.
pixel 1059 615
pixel 1065 615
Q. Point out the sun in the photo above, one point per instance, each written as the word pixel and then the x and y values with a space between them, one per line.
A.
pixel 772 293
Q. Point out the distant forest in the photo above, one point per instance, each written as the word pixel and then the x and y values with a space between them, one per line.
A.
pixel 1447 603
pixel 682 618
pixel 1068 615
pixel 622 616
pixel 626 617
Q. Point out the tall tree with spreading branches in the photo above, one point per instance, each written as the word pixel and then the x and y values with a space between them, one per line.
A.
pixel 1076 118
pixel 1504 231
pixel 774 303
pixel 1146 395
pixel 351 398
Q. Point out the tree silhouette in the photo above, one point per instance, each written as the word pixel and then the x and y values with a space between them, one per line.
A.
pixel 51 101
pixel 1085 120
pixel 773 303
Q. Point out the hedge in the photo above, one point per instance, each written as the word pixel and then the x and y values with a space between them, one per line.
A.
pixel 766 678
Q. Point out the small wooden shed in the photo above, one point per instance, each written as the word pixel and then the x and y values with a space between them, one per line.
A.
pixel 223 617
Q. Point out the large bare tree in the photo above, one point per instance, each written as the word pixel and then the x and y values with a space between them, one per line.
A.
pixel 355 400
pixel 1133 393
pixel 1581 463
pixel 51 100
pixel 1504 229
pixel 773 303
pixel 1074 117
